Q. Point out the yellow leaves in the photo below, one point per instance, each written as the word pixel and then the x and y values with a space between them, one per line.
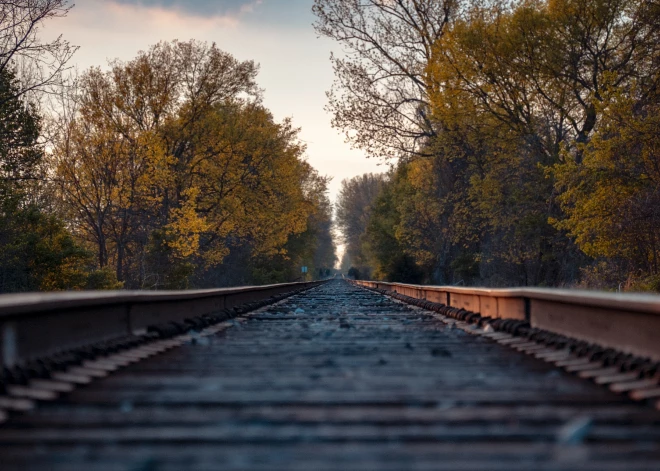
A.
pixel 186 225
pixel 247 176
pixel 173 160
pixel 421 175
pixel 609 196
pixel 69 275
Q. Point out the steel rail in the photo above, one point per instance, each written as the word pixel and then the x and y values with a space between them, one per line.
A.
pixel 338 377
pixel 623 321
pixel 34 325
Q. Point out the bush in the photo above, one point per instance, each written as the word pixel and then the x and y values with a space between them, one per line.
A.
pixel 104 278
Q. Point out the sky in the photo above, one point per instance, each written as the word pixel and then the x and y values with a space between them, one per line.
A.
pixel 295 70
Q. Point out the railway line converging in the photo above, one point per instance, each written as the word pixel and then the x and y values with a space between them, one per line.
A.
pixel 331 376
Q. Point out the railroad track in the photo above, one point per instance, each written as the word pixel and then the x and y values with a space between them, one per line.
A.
pixel 338 377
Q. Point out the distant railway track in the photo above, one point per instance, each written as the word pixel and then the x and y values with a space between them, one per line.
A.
pixel 330 376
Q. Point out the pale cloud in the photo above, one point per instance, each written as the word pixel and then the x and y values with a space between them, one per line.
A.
pixel 106 30
pixel 134 19
pixel 228 8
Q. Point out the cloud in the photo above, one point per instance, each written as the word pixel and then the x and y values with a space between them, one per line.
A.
pixel 198 7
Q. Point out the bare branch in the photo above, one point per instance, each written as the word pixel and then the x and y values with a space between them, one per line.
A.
pixel 39 65
pixel 380 95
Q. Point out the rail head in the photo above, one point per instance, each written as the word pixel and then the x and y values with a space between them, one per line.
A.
pixel 12 305
pixel 624 321
pixel 641 302
pixel 33 325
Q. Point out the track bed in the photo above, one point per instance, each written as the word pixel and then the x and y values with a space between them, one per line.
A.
pixel 336 378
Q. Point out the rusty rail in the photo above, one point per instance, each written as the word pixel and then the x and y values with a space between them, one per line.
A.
pixel 34 325
pixel 623 321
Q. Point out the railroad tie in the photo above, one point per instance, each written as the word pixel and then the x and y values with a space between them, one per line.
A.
pixel 339 377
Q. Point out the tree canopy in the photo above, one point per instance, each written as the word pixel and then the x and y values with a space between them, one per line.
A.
pixel 166 171
pixel 172 161
pixel 537 164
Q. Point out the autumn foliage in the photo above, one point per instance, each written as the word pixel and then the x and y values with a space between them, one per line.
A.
pixel 168 172
pixel 530 156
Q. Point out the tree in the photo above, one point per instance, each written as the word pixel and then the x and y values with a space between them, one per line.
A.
pixel 612 196
pixel 172 162
pixel 380 96
pixel 389 258
pixel 314 247
pixel 20 150
pixel 37 252
pixel 540 67
pixel 514 84
pixel 39 65
pixel 125 159
pixel 354 204
pixel 320 226
pixel 515 95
